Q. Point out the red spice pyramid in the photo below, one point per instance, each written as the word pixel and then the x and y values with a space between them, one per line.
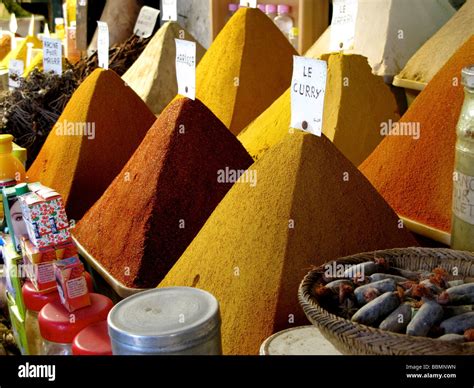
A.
pixel 164 194
pixel 81 168
pixel 310 205
pixel 416 176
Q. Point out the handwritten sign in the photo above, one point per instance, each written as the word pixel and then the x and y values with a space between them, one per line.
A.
pixel 186 68
pixel 103 44
pixel 343 24
pixel 146 22
pixel 52 55
pixel 308 88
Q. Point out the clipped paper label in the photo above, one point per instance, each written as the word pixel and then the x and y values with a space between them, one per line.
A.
pixel 463 197
pixel 16 67
pixel 103 44
pixel 343 24
pixel 52 56
pixel 248 3
pixel 308 88
pixel 170 10
pixel 146 22
pixel 186 68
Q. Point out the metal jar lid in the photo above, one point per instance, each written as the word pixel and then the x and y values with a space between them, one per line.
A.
pixel 165 319
pixel 468 76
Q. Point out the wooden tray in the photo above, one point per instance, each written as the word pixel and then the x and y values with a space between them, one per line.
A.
pixel 121 290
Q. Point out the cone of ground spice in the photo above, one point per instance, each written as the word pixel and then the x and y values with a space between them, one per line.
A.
pixel 153 75
pixel 416 176
pixel 247 67
pixel 309 205
pixel 431 57
pixel 100 128
pixel 356 102
pixel 164 194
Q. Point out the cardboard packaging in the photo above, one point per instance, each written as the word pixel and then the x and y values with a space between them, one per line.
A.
pixel 71 283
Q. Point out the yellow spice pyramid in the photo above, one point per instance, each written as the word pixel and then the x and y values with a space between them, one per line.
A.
pixel 260 241
pixel 247 67
pixel 356 104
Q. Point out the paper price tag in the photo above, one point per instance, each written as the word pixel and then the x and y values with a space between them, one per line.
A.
pixel 52 55
pixel 103 44
pixel 248 3
pixel 16 67
pixel 170 10
pixel 146 21
pixel 186 68
pixel 308 88
pixel 343 24
pixel 82 3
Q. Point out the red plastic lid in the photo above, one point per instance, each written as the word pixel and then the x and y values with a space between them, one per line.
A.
pixel 93 341
pixel 59 325
pixel 34 300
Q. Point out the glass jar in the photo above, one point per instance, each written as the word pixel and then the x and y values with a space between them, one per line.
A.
pixel 94 340
pixel 462 230
pixel 34 302
pixel 58 326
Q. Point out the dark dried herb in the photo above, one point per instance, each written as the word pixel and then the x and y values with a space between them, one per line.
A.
pixel 121 57
pixel 30 111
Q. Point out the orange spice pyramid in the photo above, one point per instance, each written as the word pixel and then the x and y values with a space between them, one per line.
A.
pixel 415 176
pixel 163 196
pixel 247 67
pixel 309 205
pixel 100 128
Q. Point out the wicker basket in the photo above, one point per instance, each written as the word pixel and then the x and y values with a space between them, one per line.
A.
pixel 353 338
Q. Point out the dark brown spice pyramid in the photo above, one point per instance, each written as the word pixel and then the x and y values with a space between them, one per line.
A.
pixel 163 196
pixel 81 168
pixel 258 244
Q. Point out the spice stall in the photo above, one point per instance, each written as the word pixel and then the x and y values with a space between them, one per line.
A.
pixel 169 196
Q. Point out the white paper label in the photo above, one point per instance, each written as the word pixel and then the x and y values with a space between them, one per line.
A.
pixel 103 45
pixel 170 10
pixel 186 68
pixel 463 198
pixel 82 3
pixel 248 3
pixel 146 22
pixel 52 56
pixel 16 67
pixel 343 24
pixel 308 88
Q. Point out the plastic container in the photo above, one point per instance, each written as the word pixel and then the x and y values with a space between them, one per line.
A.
pixel 59 28
pixel 166 321
pixel 93 341
pixel 284 21
pixel 298 341
pixel 12 171
pixel 58 327
pixel 271 11
pixel 462 230
pixel 34 302
pixel 294 37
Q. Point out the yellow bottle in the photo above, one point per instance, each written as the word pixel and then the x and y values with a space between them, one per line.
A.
pixel 71 11
pixel 12 170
